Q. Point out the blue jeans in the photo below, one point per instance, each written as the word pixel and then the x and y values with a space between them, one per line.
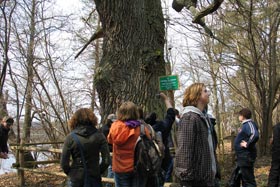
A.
pixel 168 175
pixel 109 175
pixel 129 180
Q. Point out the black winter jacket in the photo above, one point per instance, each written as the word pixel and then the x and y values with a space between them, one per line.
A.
pixel 276 143
pixel 3 139
pixel 165 127
pixel 94 143
pixel 105 130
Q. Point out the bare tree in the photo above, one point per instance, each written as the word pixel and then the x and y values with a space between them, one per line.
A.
pixel 5 34
pixel 247 56
pixel 38 74
pixel 256 52
pixel 92 49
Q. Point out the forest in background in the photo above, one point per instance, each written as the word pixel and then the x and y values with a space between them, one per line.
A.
pixel 41 82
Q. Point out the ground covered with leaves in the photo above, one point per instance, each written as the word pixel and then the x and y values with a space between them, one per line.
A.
pixel 34 179
pixel 227 163
pixel 262 167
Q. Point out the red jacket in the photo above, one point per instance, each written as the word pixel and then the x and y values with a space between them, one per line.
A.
pixel 123 139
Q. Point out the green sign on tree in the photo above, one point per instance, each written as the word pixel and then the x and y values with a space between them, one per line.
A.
pixel 170 82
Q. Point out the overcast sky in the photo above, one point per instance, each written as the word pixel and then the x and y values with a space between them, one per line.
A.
pixel 69 5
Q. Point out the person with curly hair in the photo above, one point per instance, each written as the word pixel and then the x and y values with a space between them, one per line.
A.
pixel 83 124
pixel 195 159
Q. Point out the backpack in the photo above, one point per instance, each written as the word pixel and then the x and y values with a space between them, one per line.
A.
pixel 147 154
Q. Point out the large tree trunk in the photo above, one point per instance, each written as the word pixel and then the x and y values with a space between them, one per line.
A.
pixel 133 50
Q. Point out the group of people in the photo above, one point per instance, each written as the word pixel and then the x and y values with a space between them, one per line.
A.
pixel 85 158
pixel 195 163
pixel 121 132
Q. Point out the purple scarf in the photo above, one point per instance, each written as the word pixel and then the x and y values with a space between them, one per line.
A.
pixel 132 123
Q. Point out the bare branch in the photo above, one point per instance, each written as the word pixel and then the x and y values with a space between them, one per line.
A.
pixel 98 34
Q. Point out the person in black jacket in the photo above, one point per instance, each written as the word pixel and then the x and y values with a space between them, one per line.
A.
pixel 5 126
pixel 274 174
pixel 83 124
pixel 105 129
pixel 164 126
pixel 212 123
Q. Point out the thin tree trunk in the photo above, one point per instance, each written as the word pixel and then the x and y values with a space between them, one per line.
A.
pixel 221 119
pixel 29 86
pixel 5 46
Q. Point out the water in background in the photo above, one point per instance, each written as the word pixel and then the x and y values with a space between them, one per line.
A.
pixel 6 164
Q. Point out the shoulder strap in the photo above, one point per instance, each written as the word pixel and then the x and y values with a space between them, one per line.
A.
pixel 151 130
pixel 142 129
pixel 76 139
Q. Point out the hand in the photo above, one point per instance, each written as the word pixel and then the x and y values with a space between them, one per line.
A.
pixel 243 144
pixel 270 140
pixel 3 155
pixel 163 96
pixel 166 100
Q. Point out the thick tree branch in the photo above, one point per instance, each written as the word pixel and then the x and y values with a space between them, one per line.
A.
pixel 198 15
pixel 96 35
pixel 208 10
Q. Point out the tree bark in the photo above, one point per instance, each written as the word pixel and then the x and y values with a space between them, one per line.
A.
pixel 133 54
pixel 29 84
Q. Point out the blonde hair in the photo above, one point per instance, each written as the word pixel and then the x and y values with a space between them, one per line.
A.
pixel 82 117
pixel 127 111
pixel 192 94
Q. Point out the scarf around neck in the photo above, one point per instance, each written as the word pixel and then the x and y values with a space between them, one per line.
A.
pixel 132 123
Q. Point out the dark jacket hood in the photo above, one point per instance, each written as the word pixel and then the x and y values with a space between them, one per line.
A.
pixel 85 131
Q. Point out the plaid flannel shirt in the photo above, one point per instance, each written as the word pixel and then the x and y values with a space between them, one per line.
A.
pixel 193 160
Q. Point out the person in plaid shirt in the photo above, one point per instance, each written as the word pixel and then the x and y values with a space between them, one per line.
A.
pixel 195 160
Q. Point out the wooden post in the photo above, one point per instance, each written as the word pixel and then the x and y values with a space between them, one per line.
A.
pixel 21 164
